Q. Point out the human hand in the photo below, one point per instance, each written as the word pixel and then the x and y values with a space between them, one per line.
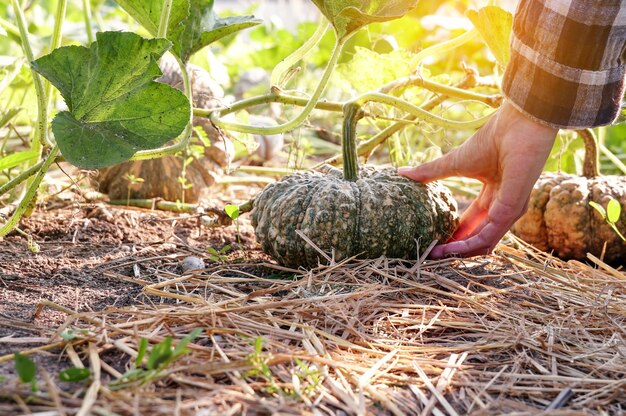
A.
pixel 507 155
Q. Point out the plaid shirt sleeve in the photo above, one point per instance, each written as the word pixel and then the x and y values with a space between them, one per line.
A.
pixel 568 61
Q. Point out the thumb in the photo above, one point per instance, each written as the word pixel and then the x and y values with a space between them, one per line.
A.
pixel 437 169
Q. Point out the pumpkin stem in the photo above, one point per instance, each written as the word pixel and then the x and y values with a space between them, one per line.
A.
pixel 366 147
pixel 351 115
pixel 591 162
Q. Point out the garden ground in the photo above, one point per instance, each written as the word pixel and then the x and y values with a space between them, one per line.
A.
pixel 511 333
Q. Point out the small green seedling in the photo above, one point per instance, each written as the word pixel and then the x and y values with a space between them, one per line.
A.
pixel 309 376
pixel 260 367
pixel 215 255
pixel 160 357
pixel 611 214
pixel 32 245
pixel 141 352
pixel 26 370
pixel 161 354
pixel 72 333
pixel 74 374
pixel 182 179
pixel 132 180
pixel 233 213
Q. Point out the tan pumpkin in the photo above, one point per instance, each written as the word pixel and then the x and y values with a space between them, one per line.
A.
pixel 561 220
pixel 161 176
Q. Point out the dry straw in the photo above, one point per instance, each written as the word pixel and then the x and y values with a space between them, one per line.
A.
pixel 518 332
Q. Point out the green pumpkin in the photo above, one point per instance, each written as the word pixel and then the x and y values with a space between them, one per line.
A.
pixel 367 213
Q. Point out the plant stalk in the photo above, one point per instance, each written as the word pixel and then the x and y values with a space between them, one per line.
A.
pixel 165 18
pixel 290 125
pixel 87 17
pixel 616 161
pixel 420 113
pixel 20 178
pixel 443 47
pixel 273 97
pixel 420 81
pixel 40 140
pixel 591 162
pixel 30 193
pixel 56 41
pixel 11 29
pixel 351 115
pixel 156 204
pixel 277 78
pixel 368 146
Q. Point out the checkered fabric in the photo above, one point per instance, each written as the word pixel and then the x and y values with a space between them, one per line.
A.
pixel 568 61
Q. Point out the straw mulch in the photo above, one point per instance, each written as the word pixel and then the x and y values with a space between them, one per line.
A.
pixel 518 332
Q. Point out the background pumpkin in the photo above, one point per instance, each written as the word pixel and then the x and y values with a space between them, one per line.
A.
pixel 161 176
pixel 368 212
pixel 560 218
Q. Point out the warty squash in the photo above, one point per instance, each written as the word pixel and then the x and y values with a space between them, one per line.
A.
pixel 560 218
pixel 366 212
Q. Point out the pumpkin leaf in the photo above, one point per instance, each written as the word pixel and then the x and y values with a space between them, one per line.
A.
pixel 494 25
pixel 598 208
pixel 232 211
pixel 160 353
pixel 115 106
pixel 613 211
pixel 193 24
pixel 148 13
pixel 348 16
pixel 181 347
pixel 25 368
pixel 17 158
pixel 141 351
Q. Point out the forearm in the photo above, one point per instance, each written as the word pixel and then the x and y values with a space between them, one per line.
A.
pixel 566 67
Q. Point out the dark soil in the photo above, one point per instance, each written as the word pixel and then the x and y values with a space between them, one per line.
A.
pixel 85 254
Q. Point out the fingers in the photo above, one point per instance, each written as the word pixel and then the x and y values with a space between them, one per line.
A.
pixel 474 216
pixel 469 225
pixel 471 241
pixel 437 169
pixel 479 244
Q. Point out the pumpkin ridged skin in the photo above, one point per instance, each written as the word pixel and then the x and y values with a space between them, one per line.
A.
pixel 381 213
pixel 161 179
pixel 560 219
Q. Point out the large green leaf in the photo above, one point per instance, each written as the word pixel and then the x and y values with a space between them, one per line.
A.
pixel 348 16
pixel 148 13
pixel 193 24
pixel 115 106
pixel 494 25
